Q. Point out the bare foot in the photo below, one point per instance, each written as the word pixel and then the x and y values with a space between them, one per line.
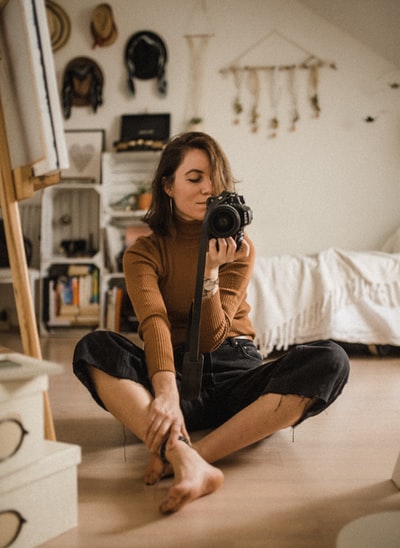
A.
pixel 156 470
pixel 194 478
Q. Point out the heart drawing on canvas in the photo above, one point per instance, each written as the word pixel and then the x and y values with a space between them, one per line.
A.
pixel 81 155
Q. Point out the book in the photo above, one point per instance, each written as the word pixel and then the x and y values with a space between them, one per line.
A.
pixel 113 310
pixel 68 310
pixel 78 270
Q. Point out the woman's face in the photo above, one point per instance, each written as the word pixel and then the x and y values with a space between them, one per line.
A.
pixel 192 186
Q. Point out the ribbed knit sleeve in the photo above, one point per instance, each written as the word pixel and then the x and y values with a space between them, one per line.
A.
pixel 143 269
pixel 225 314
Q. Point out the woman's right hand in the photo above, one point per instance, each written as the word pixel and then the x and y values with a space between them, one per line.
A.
pixel 165 418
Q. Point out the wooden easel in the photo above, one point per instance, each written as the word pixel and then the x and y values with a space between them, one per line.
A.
pixel 16 185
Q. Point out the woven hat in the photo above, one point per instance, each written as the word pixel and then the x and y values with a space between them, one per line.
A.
pixel 82 84
pixel 59 25
pixel 146 58
pixel 102 26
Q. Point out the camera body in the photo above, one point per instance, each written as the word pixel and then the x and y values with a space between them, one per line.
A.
pixel 227 215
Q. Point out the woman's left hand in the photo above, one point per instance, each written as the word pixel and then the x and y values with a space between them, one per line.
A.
pixel 224 251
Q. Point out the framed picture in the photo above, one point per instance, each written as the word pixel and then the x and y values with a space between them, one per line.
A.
pixel 84 151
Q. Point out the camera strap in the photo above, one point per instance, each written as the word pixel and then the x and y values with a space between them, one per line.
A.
pixel 192 368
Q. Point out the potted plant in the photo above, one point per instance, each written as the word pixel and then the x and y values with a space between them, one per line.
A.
pixel 143 196
pixel 195 124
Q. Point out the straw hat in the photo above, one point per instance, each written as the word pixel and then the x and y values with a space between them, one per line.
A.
pixel 102 26
pixel 59 25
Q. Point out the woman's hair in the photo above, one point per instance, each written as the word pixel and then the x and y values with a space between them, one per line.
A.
pixel 160 214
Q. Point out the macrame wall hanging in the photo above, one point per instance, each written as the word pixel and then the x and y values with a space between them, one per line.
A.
pixel 270 95
pixel 197 39
pixel 197 44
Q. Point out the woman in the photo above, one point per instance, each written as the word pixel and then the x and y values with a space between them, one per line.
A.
pixel 242 400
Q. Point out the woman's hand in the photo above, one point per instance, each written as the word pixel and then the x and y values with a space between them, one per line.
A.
pixel 223 251
pixel 165 417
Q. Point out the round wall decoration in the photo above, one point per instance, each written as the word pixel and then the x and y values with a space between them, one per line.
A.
pixel 59 25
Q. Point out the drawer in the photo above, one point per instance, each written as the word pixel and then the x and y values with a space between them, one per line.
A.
pixel 21 431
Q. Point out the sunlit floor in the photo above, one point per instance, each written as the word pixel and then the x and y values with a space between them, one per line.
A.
pixel 296 489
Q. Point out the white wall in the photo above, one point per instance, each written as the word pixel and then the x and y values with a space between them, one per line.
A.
pixel 334 182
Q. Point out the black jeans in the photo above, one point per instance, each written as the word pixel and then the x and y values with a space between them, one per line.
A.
pixel 234 375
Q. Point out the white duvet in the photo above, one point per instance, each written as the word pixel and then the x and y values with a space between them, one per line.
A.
pixel 342 295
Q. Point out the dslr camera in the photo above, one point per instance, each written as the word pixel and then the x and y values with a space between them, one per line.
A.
pixel 227 215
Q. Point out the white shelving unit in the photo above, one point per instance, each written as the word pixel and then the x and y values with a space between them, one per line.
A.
pixel 71 243
pixel 124 173
pixel 85 225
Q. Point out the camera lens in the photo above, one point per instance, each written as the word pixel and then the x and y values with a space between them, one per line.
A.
pixel 224 222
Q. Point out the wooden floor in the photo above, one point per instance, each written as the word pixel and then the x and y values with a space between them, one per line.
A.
pixel 281 493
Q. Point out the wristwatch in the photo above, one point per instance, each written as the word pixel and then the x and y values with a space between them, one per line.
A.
pixel 209 287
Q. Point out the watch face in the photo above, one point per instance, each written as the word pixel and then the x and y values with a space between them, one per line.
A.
pixel 209 284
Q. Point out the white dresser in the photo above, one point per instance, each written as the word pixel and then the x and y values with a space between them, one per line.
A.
pixel 38 478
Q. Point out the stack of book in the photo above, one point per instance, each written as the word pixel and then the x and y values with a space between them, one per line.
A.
pixel 73 297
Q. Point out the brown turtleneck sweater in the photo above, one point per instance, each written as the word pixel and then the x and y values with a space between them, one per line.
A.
pixel 161 275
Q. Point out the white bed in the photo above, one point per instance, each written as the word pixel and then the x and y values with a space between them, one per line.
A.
pixel 347 296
